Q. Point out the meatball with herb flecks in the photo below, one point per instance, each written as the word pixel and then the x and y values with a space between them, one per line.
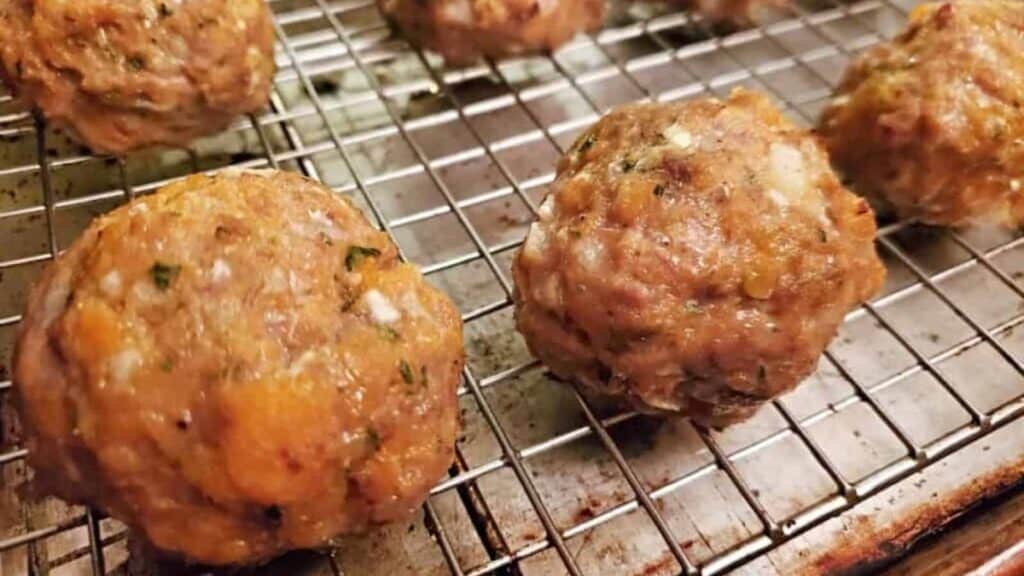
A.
pixel 124 75
pixel 693 258
pixel 931 124
pixel 735 12
pixel 237 366
pixel 464 31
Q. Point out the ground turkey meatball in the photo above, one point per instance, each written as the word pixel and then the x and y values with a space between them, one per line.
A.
pixel 693 258
pixel 932 122
pixel 126 74
pixel 237 366
pixel 463 31
pixel 736 12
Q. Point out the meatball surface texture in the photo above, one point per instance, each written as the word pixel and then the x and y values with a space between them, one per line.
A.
pixel 463 31
pixel 127 74
pixel 931 123
pixel 693 258
pixel 237 366
pixel 737 12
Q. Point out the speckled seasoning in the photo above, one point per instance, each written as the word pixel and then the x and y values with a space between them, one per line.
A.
pixel 694 258
pixel 931 123
pixel 464 31
pixel 127 75
pixel 207 365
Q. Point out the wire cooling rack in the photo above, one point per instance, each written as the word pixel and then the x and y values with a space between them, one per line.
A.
pixel 913 415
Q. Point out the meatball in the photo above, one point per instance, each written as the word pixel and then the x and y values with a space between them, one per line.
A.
pixel 738 12
pixel 123 75
pixel 693 258
pixel 464 31
pixel 237 366
pixel 930 124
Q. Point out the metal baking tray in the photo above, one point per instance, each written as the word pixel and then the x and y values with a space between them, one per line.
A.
pixel 913 415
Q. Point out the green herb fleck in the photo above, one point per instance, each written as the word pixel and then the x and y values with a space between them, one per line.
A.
pixel 356 255
pixel 822 235
pixel 136 62
pixel 388 333
pixel 627 165
pixel 165 10
pixel 164 274
pixel 373 438
pixel 588 141
pixel 406 371
pixel 166 365
pixel 659 190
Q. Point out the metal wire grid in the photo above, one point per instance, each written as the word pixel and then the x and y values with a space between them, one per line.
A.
pixel 320 135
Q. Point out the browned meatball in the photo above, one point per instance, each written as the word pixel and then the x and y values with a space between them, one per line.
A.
pixel 126 74
pixel 238 366
pixel 730 11
pixel 932 122
pixel 693 258
pixel 464 31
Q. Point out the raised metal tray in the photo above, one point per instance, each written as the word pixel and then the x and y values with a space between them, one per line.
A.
pixel 913 415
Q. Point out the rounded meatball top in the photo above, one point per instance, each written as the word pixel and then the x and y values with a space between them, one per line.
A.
pixel 932 122
pixel 151 71
pixel 695 257
pixel 464 31
pixel 238 365
pixel 743 198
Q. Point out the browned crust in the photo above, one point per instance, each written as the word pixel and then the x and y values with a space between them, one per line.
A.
pixel 463 31
pixel 931 123
pixel 238 366
pixel 693 258
pixel 127 75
